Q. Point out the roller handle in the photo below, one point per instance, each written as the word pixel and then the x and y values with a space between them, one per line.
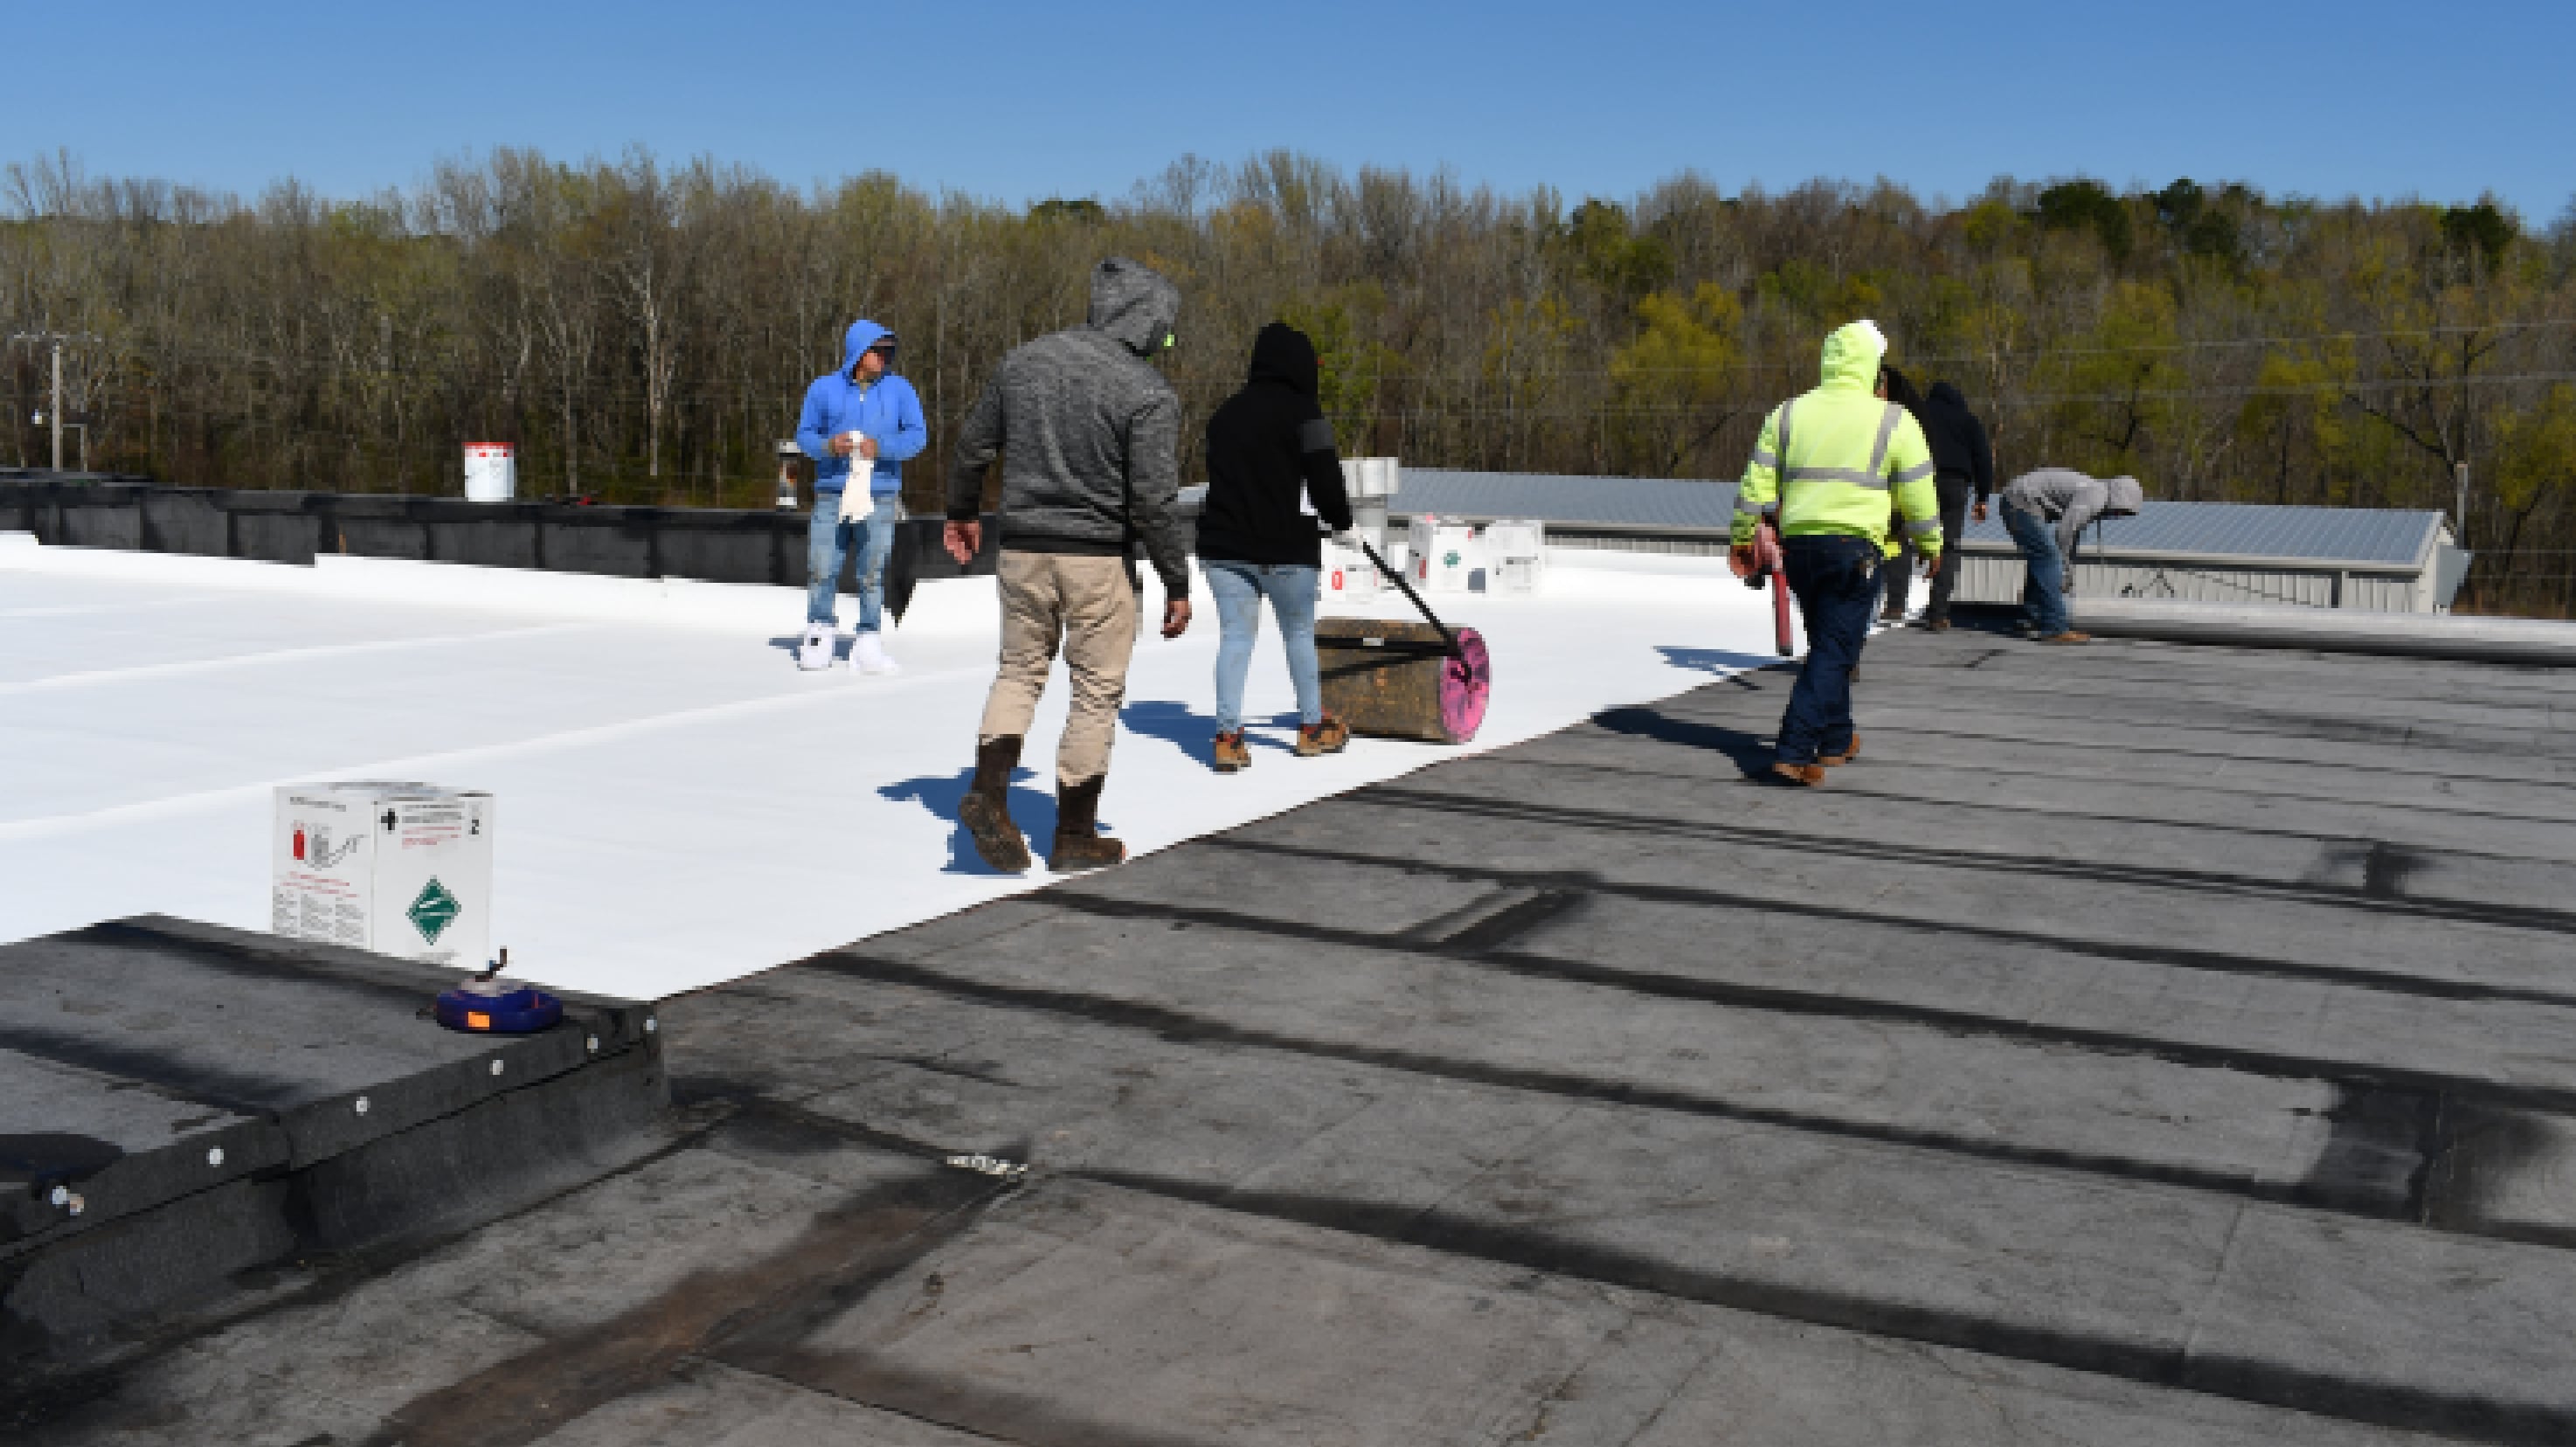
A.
pixel 1448 640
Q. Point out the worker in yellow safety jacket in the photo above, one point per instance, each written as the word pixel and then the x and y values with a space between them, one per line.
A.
pixel 1824 468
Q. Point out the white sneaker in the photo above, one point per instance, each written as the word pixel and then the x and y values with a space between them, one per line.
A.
pixel 816 651
pixel 868 655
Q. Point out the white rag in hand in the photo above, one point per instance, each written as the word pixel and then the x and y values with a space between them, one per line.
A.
pixel 857 495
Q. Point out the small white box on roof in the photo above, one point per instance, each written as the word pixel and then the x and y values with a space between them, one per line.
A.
pixel 1348 575
pixel 1515 555
pixel 401 869
pixel 1443 554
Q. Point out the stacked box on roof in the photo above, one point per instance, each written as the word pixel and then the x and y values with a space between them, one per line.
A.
pixel 1348 575
pixel 401 869
pixel 1515 555
pixel 1441 554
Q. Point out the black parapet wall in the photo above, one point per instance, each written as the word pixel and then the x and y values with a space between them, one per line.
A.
pixel 715 545
pixel 719 545
pixel 251 1104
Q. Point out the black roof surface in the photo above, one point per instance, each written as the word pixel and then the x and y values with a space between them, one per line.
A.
pixel 2138 1044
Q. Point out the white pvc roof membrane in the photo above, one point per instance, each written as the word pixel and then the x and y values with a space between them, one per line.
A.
pixel 677 804
pixel 2326 535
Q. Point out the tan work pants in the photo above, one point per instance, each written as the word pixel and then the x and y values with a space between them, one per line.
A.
pixel 1087 606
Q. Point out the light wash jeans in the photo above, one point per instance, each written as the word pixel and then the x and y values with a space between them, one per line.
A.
pixel 2046 608
pixel 1239 589
pixel 828 540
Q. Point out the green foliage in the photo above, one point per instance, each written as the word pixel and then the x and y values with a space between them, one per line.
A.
pixel 1605 252
pixel 2086 205
pixel 1679 371
pixel 2538 448
pixel 2483 230
pixel 1080 210
pixel 2200 225
pixel 644 331
pixel 1353 366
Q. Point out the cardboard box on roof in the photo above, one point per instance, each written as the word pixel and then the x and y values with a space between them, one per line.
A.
pixel 402 869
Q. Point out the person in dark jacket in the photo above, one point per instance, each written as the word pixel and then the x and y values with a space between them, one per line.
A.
pixel 1966 459
pixel 1896 578
pixel 1088 434
pixel 1269 453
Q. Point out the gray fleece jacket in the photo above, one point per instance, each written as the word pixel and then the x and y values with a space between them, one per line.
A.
pixel 2071 499
pixel 1088 432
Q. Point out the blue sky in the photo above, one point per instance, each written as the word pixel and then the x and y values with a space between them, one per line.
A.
pixel 1022 101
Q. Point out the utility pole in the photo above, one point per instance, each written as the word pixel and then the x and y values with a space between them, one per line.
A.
pixel 2460 510
pixel 52 417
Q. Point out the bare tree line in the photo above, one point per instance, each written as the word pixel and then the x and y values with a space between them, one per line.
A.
pixel 644 331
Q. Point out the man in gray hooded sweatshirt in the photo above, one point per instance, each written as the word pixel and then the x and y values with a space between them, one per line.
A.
pixel 1089 437
pixel 2045 511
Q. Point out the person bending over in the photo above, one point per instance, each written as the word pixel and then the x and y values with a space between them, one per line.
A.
pixel 2045 511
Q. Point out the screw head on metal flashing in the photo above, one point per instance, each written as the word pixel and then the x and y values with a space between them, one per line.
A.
pixel 651 1024
pixel 215 1157
pixel 62 1196
pixel 594 1045
pixel 496 1067
pixel 362 1105
pixel 76 1205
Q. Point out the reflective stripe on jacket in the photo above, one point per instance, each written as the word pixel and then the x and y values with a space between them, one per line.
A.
pixel 1827 460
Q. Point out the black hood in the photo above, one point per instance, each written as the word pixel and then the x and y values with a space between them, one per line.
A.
pixel 1947 394
pixel 1284 354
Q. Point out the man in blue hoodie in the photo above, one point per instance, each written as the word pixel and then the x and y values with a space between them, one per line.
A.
pixel 860 424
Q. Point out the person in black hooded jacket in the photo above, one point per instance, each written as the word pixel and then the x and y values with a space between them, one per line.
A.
pixel 1965 460
pixel 1269 453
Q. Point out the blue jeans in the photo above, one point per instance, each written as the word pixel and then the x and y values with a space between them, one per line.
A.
pixel 1239 589
pixel 1835 580
pixel 828 540
pixel 2046 608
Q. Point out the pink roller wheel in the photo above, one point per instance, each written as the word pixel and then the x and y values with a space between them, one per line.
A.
pixel 1465 683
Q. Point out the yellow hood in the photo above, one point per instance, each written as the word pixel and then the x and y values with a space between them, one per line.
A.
pixel 1852 355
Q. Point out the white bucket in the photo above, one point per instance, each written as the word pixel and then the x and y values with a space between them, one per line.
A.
pixel 491 471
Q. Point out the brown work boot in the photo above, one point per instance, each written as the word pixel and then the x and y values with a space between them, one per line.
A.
pixel 2069 636
pixel 1078 842
pixel 986 809
pixel 1230 754
pixel 1832 761
pixel 1808 774
pixel 1329 737
pixel 1937 625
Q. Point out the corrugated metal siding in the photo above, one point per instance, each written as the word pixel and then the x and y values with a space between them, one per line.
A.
pixel 1993 578
pixel 2380 537
pixel 1639 502
pixel 1628 543
pixel 2170 550
pixel 2383 536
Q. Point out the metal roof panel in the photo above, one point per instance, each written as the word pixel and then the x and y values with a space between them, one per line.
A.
pixel 2384 536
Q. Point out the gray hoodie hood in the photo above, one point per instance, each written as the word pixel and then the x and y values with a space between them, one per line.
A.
pixel 1132 302
pixel 2126 497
